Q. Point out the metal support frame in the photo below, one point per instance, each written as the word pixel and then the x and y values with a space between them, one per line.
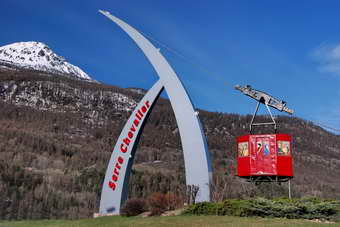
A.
pixel 261 179
pixel 257 180
pixel 263 123
pixel 289 190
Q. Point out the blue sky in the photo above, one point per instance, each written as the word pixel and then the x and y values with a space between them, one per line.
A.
pixel 291 49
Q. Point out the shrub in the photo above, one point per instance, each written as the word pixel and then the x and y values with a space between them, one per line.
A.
pixel 204 208
pixel 173 201
pixel 158 203
pixel 285 208
pixel 133 207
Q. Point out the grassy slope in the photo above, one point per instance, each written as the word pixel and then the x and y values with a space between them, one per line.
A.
pixel 168 221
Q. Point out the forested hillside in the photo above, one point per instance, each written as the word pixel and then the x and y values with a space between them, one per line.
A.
pixel 57 134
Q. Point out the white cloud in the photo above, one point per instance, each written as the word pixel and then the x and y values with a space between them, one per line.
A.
pixel 328 58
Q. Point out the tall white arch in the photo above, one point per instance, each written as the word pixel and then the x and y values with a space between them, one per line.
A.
pixel 196 156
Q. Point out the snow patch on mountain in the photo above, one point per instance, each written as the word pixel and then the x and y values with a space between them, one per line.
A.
pixel 38 56
pixel 95 105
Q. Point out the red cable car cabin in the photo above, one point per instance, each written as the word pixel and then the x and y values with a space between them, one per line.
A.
pixel 265 158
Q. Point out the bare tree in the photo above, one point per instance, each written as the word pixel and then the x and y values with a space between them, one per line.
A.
pixel 192 191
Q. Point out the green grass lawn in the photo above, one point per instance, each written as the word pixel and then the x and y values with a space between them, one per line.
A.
pixel 203 221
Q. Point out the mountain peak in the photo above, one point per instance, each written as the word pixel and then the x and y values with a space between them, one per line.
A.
pixel 38 56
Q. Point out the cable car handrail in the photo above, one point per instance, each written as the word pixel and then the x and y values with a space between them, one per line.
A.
pixel 263 123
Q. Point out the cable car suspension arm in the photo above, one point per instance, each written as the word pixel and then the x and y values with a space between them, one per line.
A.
pixel 267 100
pixel 264 98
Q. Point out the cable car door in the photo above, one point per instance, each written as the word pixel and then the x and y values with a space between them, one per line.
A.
pixel 264 159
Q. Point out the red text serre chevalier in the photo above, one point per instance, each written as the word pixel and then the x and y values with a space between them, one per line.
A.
pixel 125 144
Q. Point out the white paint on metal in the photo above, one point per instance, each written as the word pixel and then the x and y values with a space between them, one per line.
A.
pixel 112 199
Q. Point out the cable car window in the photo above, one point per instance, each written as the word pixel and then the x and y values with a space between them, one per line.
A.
pixel 283 147
pixel 243 149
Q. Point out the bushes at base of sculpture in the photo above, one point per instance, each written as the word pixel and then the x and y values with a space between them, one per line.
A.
pixel 133 207
pixel 157 203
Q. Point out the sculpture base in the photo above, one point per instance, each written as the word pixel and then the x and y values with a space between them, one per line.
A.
pixel 98 215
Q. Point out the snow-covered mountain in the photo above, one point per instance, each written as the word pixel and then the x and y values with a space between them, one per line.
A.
pixel 38 56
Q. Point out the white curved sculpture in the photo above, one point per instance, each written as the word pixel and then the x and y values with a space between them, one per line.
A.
pixel 196 155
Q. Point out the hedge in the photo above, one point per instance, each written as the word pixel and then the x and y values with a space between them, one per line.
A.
pixel 307 208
